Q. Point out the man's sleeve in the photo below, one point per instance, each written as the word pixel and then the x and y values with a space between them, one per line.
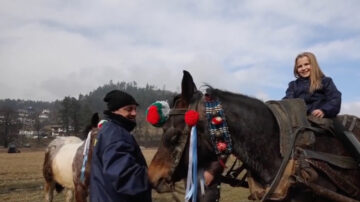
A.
pixel 121 169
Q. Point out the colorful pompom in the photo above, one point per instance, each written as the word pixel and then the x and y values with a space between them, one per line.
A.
pixel 221 146
pixel 157 113
pixel 101 123
pixel 216 120
pixel 153 116
pixel 191 117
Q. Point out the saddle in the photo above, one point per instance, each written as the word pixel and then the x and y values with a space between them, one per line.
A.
pixel 305 163
pixel 290 115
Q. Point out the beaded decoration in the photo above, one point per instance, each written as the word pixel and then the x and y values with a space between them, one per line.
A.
pixel 219 131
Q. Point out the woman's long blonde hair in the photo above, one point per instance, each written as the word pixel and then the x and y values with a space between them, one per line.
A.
pixel 316 74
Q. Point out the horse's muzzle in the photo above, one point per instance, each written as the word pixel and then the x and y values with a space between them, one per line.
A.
pixel 163 186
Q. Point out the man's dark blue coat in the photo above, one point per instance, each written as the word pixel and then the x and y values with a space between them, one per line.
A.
pixel 118 168
pixel 328 98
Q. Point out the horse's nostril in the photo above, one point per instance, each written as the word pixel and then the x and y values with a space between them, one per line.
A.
pixel 164 186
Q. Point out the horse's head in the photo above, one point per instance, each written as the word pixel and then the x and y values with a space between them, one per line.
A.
pixel 170 162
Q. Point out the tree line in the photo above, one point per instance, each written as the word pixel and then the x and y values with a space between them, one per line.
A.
pixel 74 114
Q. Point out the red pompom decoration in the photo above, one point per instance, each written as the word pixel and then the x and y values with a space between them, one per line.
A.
pixel 191 117
pixel 221 146
pixel 216 120
pixel 153 115
pixel 101 123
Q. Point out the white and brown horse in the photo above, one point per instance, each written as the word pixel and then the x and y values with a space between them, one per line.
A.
pixel 63 164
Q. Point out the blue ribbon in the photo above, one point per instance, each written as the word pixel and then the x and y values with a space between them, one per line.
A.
pixel 85 155
pixel 191 188
pixel 82 177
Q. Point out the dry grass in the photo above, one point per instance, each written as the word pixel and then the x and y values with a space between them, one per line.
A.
pixel 21 180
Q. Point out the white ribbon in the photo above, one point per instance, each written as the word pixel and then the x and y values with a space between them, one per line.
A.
pixel 191 184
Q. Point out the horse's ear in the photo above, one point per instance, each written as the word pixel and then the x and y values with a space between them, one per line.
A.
pixel 95 120
pixel 188 86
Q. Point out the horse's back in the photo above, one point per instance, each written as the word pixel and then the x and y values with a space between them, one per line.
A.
pixel 63 159
pixel 65 140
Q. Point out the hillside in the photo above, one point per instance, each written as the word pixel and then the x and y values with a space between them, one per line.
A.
pixel 23 117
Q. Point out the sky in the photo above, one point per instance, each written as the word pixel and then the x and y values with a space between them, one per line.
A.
pixel 50 49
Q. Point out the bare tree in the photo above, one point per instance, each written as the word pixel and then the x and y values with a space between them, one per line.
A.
pixel 9 125
pixel 70 114
pixel 37 125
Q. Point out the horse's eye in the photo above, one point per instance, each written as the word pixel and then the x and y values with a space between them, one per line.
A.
pixel 200 126
pixel 171 137
pixel 174 139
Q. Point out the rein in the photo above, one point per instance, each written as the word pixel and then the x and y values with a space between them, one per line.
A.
pixel 192 178
pixel 219 136
pixel 218 129
pixel 183 139
pixel 283 165
pixel 286 159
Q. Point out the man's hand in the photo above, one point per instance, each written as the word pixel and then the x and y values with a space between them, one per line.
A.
pixel 208 177
pixel 318 113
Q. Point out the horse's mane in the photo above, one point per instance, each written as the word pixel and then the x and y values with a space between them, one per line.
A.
pixel 244 106
pixel 238 98
pixel 94 121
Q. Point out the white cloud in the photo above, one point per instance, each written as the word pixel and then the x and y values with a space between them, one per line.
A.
pixel 262 96
pixel 352 108
pixel 50 49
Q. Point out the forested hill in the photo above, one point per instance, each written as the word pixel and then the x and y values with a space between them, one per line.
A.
pixel 93 101
pixel 143 95
pixel 73 114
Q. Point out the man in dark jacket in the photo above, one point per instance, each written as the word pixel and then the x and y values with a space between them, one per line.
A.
pixel 118 167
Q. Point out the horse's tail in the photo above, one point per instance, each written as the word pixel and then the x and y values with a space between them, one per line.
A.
pixel 47 170
pixel 47 166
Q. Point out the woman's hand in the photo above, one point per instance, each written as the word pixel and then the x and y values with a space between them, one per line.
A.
pixel 318 113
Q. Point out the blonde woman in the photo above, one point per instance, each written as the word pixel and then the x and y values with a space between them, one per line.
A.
pixel 322 98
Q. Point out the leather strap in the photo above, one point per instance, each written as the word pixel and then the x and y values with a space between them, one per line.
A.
pixel 351 128
pixel 286 159
pixel 339 161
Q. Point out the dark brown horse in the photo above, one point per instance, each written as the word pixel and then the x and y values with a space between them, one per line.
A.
pixel 255 141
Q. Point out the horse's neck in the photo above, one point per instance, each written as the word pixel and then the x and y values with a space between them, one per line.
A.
pixel 255 137
pixel 94 133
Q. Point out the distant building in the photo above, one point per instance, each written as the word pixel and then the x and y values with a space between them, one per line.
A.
pixel 2 119
pixel 57 130
pixel 24 117
pixel 27 133
pixel 44 115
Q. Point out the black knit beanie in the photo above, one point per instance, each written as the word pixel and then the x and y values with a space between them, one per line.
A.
pixel 116 99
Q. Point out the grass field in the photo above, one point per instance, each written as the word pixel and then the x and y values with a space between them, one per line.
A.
pixel 21 179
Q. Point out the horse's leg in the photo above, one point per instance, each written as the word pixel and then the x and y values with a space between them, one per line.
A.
pixel 69 195
pixel 49 191
pixel 77 193
pixel 80 193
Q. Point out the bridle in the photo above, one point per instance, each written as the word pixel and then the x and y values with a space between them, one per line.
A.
pixel 178 151
pixel 184 138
